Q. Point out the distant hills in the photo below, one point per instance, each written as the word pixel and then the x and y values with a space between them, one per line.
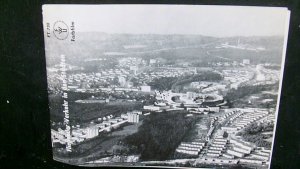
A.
pixel 97 45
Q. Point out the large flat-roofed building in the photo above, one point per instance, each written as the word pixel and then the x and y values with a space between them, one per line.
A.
pixel 228 156
pixel 191 152
pixel 230 129
pixel 239 149
pixel 235 153
pixel 214 151
pixel 133 117
pixel 92 132
pixel 213 154
pixel 145 88
pixel 261 157
pixel 216 148
pixel 214 109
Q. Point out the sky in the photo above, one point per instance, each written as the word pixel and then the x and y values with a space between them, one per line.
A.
pixel 218 21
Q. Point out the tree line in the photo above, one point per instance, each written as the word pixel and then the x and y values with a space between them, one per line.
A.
pixel 176 84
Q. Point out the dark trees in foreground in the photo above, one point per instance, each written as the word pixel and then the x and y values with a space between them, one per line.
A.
pixel 160 134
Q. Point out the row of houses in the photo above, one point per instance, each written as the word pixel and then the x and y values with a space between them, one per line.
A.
pixel 258 156
pixel 236 115
pixel 242 119
pixel 249 118
pixel 226 115
pixel 268 119
pixel 239 148
pixel 217 147
pixel 191 148
pixel 231 116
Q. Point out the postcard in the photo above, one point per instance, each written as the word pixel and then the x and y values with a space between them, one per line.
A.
pixel 194 86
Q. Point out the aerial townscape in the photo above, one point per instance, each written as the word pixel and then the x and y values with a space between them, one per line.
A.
pixel 164 100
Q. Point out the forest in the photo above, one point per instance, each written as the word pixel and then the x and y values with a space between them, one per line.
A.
pixel 160 134
pixel 163 83
pixel 176 84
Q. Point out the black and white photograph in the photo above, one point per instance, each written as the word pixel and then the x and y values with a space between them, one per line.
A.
pixel 193 86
